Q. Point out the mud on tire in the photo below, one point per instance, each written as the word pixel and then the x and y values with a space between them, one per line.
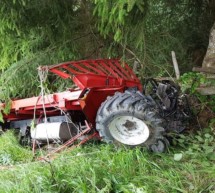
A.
pixel 131 119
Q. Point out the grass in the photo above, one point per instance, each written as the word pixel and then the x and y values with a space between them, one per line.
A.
pixel 11 152
pixel 103 168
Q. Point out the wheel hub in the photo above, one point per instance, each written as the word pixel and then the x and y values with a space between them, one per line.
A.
pixel 129 130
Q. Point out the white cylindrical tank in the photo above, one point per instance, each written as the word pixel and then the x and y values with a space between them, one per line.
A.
pixel 55 131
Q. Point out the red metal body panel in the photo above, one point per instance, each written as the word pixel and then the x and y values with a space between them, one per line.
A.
pixel 97 73
pixel 94 98
pixel 95 79
pixel 24 108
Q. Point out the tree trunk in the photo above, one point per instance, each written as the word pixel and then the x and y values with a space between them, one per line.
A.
pixel 209 60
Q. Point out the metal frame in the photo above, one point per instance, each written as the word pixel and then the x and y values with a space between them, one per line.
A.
pixel 95 80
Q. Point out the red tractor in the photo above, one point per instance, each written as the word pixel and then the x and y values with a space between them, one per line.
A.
pixel 108 100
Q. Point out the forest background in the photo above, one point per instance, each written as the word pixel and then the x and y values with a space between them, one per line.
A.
pixel 36 32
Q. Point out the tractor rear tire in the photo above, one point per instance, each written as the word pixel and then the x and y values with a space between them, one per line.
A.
pixel 131 119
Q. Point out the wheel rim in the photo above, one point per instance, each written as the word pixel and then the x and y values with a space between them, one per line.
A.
pixel 129 130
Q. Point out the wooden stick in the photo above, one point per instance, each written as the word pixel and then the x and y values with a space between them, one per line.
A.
pixel 175 64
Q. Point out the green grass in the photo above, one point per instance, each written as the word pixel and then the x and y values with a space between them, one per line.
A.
pixel 103 168
pixel 10 150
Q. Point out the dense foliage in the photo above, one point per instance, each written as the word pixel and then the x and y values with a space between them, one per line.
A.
pixel 34 33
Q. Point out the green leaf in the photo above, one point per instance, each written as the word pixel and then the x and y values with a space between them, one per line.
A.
pixel 178 156
pixel 207 135
pixel 199 138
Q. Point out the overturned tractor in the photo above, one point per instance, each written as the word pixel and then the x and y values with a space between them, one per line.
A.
pixel 108 101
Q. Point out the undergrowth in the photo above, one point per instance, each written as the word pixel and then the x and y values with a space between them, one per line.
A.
pixel 103 168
